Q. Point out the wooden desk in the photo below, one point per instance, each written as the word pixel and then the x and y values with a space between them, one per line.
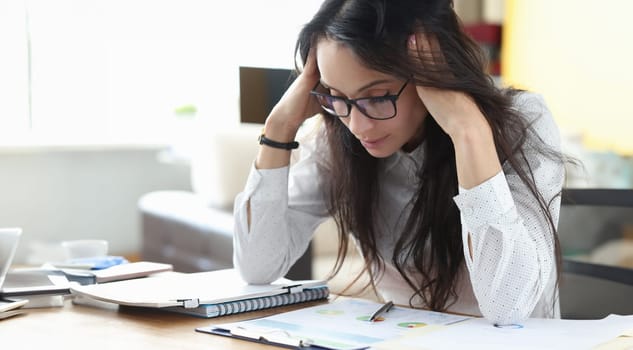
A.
pixel 93 328
pixel 96 327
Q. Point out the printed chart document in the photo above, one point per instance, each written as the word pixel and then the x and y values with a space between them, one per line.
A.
pixel 533 333
pixel 342 324
pixel 204 294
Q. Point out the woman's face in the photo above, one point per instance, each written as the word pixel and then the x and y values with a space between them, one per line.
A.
pixel 344 75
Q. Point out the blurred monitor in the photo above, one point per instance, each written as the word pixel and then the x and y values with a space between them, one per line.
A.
pixel 260 89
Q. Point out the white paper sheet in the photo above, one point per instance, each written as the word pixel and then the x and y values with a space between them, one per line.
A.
pixel 534 333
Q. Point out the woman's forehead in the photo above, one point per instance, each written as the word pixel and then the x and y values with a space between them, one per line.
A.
pixel 343 70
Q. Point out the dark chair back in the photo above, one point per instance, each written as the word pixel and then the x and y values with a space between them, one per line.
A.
pixel 596 234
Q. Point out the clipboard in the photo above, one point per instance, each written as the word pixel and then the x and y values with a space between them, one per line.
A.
pixel 279 340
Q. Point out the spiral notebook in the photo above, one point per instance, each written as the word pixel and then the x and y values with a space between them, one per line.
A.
pixel 204 294
pixel 259 303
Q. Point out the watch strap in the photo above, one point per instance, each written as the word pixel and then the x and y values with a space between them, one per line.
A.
pixel 263 140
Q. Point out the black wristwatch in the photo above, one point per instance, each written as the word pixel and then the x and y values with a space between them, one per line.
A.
pixel 263 140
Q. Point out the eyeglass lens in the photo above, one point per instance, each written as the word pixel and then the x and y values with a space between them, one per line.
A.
pixel 374 107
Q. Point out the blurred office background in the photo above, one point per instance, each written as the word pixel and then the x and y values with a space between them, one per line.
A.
pixel 103 101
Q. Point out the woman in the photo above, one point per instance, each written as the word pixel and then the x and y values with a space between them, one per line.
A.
pixel 449 185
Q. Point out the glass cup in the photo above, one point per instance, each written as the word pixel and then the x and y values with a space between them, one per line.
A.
pixel 85 248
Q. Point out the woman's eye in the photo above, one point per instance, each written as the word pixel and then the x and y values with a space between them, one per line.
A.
pixel 380 99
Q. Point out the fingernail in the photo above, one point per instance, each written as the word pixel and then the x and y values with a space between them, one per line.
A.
pixel 412 41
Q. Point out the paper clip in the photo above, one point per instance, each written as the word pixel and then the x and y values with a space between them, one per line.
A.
pixel 272 336
pixel 189 303
pixel 295 288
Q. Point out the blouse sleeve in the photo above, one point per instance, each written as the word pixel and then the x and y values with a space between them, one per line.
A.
pixel 286 205
pixel 513 263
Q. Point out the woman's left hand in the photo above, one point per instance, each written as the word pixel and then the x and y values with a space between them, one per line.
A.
pixel 459 116
pixel 452 110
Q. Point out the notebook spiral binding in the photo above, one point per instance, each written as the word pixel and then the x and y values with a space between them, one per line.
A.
pixel 246 305
pixel 272 301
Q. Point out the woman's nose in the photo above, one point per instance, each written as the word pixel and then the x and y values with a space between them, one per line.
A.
pixel 358 122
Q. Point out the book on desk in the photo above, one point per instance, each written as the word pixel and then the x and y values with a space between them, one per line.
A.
pixel 114 273
pixel 203 294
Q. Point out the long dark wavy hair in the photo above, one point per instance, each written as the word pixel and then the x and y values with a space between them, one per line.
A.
pixel 431 242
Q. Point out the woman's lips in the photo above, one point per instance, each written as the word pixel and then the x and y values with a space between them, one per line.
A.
pixel 372 144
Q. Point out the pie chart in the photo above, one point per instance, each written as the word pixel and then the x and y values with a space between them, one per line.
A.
pixel 411 324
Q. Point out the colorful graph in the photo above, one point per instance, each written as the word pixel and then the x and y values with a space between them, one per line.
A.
pixel 366 318
pixel 330 312
pixel 411 324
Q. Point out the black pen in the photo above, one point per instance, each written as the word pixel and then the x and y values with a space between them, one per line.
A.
pixel 388 305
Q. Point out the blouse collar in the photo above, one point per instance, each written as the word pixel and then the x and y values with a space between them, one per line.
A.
pixel 416 157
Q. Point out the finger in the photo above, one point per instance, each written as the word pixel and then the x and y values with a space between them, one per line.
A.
pixel 412 42
pixel 310 63
pixel 426 48
pixel 311 76
pixel 426 51
pixel 418 51
pixel 296 100
pixel 310 68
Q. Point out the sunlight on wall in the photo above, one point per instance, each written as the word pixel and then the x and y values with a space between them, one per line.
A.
pixel 578 54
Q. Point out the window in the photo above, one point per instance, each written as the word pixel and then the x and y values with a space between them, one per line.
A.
pixel 117 70
pixel 14 89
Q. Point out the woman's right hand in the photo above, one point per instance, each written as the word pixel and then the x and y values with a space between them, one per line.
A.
pixel 296 105
pixel 283 122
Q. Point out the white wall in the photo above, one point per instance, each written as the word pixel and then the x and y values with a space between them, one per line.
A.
pixel 91 192
pixel 57 194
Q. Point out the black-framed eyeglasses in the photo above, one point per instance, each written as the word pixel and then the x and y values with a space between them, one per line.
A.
pixel 379 107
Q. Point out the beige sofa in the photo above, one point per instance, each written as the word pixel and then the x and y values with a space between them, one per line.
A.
pixel 194 230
